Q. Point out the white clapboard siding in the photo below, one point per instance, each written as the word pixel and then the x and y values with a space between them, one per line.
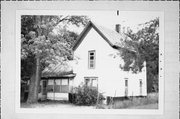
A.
pixel 111 79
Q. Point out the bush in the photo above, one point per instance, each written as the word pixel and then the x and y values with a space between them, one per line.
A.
pixel 85 95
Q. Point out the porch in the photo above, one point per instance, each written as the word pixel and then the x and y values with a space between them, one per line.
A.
pixel 56 88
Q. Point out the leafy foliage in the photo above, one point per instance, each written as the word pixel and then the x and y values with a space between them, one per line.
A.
pixel 85 95
pixel 41 46
pixel 146 45
pixel 38 38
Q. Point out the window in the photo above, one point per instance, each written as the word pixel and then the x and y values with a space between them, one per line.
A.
pixel 126 83
pixel 91 81
pixel 94 82
pixel 50 86
pixel 87 82
pixel 91 59
pixel 126 87
pixel 140 85
pixel 63 86
pixel 64 82
pixel 140 82
pixel 58 86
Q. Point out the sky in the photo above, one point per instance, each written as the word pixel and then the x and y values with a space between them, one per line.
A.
pixel 108 19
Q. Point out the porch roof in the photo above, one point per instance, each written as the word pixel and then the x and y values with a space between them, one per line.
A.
pixel 57 70
pixel 58 77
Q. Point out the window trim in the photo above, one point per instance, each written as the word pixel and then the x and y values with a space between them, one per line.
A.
pixel 140 87
pixel 94 61
pixel 140 83
pixel 90 79
pixel 126 82
pixel 61 90
pixel 126 86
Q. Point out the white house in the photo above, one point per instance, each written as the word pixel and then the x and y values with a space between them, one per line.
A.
pixel 97 64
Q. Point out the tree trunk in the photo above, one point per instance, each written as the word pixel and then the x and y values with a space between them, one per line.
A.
pixel 34 83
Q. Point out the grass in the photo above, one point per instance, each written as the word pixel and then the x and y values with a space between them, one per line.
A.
pixel 148 102
pixel 54 104
pixel 148 106
pixel 43 103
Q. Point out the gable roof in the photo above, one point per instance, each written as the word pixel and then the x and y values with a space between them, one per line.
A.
pixel 113 38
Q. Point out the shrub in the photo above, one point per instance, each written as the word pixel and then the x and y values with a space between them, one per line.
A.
pixel 85 95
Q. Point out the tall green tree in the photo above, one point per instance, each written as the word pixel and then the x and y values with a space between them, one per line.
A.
pixel 40 46
pixel 146 45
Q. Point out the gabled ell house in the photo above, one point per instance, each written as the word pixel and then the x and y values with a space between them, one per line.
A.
pixel 97 63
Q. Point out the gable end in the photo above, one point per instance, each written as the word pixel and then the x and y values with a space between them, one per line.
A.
pixel 88 28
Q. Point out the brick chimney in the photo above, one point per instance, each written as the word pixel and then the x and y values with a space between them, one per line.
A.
pixel 118 28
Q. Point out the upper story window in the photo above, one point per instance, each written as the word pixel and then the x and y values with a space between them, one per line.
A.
pixel 91 59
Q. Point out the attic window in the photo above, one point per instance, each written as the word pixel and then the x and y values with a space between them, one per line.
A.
pixel 91 59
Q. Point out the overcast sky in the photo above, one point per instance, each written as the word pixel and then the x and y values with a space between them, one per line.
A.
pixel 110 18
